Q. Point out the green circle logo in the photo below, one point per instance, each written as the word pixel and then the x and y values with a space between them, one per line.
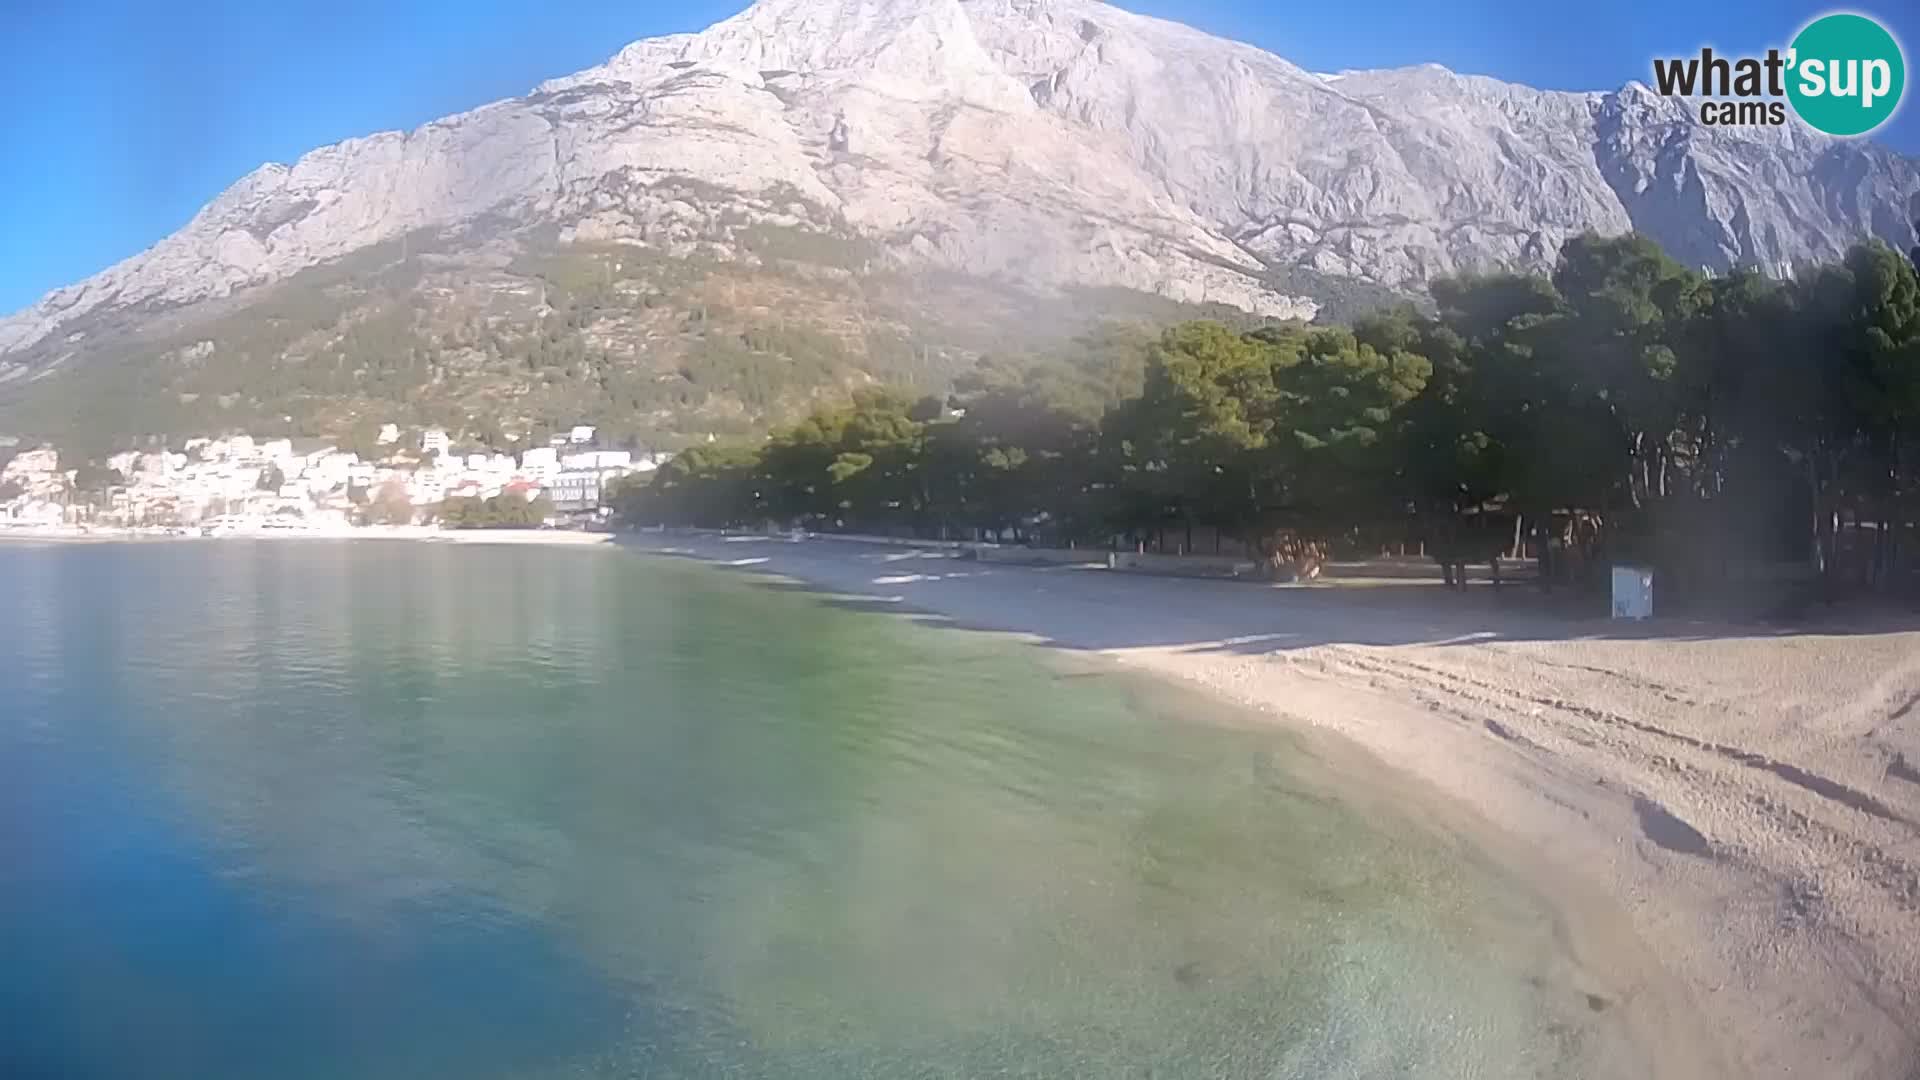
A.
pixel 1846 74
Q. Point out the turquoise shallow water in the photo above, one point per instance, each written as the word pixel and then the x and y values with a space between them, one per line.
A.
pixel 361 810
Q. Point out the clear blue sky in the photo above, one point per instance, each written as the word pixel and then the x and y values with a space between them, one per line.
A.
pixel 119 120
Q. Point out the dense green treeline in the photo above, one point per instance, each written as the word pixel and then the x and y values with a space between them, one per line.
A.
pixel 505 511
pixel 1623 408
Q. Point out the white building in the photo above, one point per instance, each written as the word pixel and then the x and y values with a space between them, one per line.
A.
pixel 435 441
pixel 331 470
pixel 389 434
pixel 315 452
pixel 426 487
pixel 540 464
pixel 278 451
pixel 29 462
pixel 36 512
pixel 581 435
pixel 574 490
pixel 162 465
pixel 37 472
pixel 598 459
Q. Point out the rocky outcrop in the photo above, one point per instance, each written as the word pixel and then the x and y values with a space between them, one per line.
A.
pixel 1045 142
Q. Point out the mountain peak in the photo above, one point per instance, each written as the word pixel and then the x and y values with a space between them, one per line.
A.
pixel 1042 143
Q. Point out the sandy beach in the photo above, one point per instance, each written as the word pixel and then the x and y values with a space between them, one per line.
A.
pixel 1739 803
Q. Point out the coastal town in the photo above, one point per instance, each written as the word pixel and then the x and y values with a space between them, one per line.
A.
pixel 240 484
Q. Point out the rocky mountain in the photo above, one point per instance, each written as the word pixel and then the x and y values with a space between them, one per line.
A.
pixel 1037 145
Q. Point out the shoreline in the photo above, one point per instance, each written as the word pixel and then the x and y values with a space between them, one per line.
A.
pixel 422 533
pixel 1726 817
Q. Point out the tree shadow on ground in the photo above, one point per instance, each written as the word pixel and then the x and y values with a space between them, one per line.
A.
pixel 1096 609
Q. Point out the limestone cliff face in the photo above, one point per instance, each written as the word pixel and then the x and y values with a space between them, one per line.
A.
pixel 1045 142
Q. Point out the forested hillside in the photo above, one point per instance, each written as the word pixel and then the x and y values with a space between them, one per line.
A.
pixel 516 333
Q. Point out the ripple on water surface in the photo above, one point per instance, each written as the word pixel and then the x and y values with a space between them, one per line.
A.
pixel 313 809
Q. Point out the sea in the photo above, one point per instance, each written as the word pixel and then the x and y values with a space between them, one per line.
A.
pixel 363 809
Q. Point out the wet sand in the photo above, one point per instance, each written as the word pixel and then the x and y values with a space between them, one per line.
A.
pixel 1728 816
